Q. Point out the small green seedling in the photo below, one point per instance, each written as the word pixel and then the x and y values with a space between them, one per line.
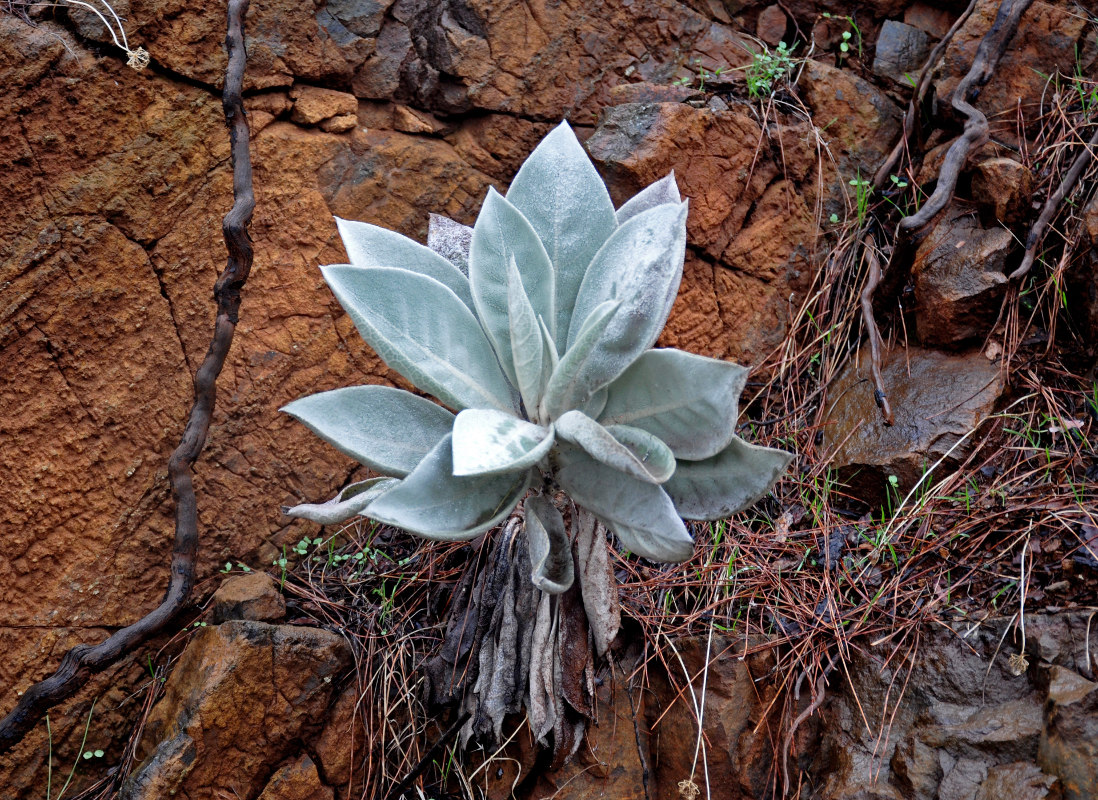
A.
pixel 847 36
pixel 767 69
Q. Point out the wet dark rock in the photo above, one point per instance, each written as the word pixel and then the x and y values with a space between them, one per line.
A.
pixel 959 277
pixel 1018 781
pixel 1069 742
pixel 901 51
pixel 254 596
pixel 968 728
pixel 937 398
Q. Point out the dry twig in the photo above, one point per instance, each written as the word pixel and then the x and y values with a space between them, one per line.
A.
pixel 1052 205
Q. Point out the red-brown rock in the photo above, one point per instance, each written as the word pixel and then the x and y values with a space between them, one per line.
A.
pixel 296 780
pixel 240 699
pixel 1004 190
pixel 771 25
pixel 1044 44
pixel 959 277
pixel 253 596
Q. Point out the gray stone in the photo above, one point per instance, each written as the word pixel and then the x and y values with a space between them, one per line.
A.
pixel 901 50
pixel 936 399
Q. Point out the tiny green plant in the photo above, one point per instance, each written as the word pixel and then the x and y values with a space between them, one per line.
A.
pixel 768 69
pixel 863 190
pixel 847 35
pixel 535 327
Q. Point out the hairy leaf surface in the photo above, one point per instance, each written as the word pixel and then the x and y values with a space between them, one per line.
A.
pixel 688 401
pixel 629 450
pixel 451 241
pixel 350 502
pixel 567 388
pixel 434 503
pixel 489 442
pixel 389 430
pixel 665 190
pixel 501 234
pixel 641 266
pixel 370 246
pixel 561 193
pixel 527 346
pixel 639 513
pixel 730 481
pixel 422 330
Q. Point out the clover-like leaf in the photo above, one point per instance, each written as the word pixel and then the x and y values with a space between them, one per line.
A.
pixel 550 551
pixel 665 190
pixel 422 330
pixel 450 240
pixel 501 234
pixel 731 480
pixel 560 192
pixel 690 402
pixel 629 450
pixel 435 504
pixel 489 442
pixel 640 514
pixel 389 430
pixel 370 246
pixel 349 502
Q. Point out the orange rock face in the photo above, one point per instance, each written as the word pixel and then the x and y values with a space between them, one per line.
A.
pixel 115 183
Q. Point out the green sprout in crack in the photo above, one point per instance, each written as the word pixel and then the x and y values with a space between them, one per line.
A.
pixel 768 69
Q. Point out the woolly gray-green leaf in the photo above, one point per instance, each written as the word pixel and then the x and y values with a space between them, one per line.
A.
pixel 389 430
pixel 566 389
pixel 561 193
pixel 435 504
pixel 629 450
pixel 500 234
pixel 641 265
pixel 665 190
pixel 730 481
pixel 690 402
pixel 422 330
pixel 370 246
pixel 488 442
pixel 596 404
pixel 550 552
pixel 640 514
pixel 527 346
pixel 450 240
pixel 350 502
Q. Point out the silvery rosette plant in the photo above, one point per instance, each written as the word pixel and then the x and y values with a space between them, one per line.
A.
pixel 534 330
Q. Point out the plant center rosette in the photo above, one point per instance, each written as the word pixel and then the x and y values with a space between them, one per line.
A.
pixel 534 330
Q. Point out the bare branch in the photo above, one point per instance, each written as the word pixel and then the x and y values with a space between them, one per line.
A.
pixel 84 660
pixel 1037 232
pixel 975 132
